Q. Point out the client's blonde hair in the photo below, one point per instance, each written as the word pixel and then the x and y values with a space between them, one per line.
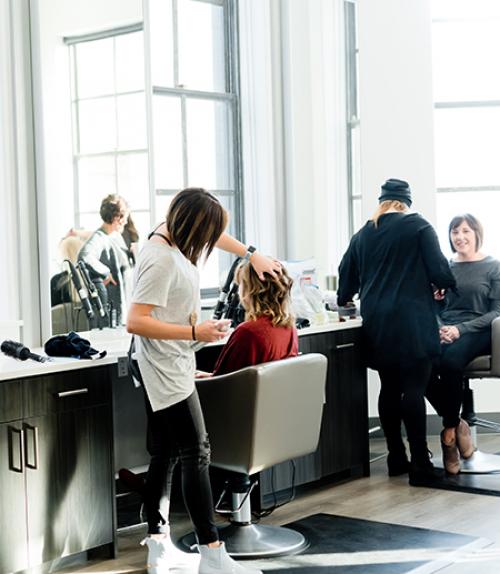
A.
pixel 385 206
pixel 269 297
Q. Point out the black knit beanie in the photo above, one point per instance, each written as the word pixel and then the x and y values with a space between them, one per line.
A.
pixel 396 189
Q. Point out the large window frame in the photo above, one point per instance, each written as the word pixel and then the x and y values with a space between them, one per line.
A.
pixel 352 117
pixel 231 197
pixel 480 113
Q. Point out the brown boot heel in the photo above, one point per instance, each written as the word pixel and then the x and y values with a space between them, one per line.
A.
pixel 464 439
pixel 451 457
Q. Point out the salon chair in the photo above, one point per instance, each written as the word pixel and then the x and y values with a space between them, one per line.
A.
pixel 483 367
pixel 258 417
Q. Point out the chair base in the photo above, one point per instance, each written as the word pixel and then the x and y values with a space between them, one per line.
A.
pixel 479 463
pixel 257 540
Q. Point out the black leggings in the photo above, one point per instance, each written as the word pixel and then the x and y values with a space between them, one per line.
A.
pixel 178 433
pixel 402 399
pixel 445 391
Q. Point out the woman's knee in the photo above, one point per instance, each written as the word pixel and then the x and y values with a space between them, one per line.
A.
pixel 197 454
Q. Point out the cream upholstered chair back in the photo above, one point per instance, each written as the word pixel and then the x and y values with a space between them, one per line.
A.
pixel 262 415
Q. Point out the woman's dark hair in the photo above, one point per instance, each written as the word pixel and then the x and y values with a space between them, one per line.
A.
pixel 113 206
pixel 130 232
pixel 195 222
pixel 473 223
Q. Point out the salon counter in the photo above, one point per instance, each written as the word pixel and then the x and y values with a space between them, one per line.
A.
pixel 115 342
pixel 67 426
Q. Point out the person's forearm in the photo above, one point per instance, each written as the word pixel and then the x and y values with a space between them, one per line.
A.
pixel 232 245
pixel 147 326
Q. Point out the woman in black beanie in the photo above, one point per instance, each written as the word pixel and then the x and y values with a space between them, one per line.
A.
pixel 394 262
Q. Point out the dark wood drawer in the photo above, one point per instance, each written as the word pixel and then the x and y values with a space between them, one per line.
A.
pixel 66 391
pixel 10 401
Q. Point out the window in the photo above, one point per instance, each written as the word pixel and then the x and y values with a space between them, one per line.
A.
pixel 109 124
pixel 466 43
pixel 352 116
pixel 195 109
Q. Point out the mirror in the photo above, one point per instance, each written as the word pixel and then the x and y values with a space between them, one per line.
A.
pixel 94 141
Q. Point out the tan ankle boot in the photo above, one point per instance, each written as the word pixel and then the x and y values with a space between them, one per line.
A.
pixel 464 439
pixel 451 456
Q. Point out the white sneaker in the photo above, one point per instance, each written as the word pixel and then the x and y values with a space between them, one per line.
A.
pixel 165 558
pixel 217 561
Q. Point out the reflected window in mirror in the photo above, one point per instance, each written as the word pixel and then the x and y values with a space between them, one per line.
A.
pixel 110 150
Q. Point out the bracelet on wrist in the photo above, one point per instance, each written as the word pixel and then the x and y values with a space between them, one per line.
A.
pixel 193 332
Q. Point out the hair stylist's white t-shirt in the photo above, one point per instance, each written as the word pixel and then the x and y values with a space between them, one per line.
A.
pixel 166 279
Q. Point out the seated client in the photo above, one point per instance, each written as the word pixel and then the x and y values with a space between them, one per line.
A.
pixel 465 332
pixel 269 332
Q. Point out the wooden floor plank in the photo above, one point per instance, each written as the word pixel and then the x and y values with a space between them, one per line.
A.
pixel 376 498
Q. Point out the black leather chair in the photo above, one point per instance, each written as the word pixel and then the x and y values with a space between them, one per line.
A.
pixel 484 367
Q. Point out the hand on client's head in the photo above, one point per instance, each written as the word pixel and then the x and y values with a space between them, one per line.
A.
pixel 263 264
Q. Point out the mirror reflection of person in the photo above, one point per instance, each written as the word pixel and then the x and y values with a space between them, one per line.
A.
pixel 268 332
pixel 163 317
pixel 393 263
pixel 466 317
pixel 105 255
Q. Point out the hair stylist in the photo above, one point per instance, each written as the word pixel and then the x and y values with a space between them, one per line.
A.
pixel 164 312
pixel 393 263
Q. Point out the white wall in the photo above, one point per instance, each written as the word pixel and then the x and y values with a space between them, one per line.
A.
pixel 19 287
pixel 396 104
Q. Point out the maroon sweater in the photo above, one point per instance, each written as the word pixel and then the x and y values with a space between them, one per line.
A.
pixel 255 342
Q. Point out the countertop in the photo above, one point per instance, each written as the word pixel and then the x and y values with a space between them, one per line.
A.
pixel 116 343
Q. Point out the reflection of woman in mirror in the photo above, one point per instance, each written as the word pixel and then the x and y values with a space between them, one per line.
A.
pixel 105 255
pixel 131 238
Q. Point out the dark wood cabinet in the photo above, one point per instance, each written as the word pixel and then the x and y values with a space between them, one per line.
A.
pixel 343 450
pixel 13 530
pixel 57 490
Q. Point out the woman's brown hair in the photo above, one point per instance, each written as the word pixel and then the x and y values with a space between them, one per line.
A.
pixel 385 206
pixel 195 222
pixel 269 297
pixel 113 206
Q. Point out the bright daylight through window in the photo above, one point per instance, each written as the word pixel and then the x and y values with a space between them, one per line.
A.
pixel 466 44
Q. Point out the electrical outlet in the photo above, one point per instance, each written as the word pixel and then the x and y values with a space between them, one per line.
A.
pixel 122 366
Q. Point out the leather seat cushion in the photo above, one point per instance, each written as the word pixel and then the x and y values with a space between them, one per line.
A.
pixel 482 363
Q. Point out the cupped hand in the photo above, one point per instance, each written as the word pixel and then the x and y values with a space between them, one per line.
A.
pixel 448 334
pixel 110 279
pixel 263 264
pixel 212 330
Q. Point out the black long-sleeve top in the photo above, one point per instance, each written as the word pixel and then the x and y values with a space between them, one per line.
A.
pixel 395 267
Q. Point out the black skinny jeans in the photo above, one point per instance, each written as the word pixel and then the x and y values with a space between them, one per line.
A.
pixel 402 399
pixel 178 433
pixel 445 391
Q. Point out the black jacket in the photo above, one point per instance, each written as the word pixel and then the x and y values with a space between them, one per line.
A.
pixel 394 267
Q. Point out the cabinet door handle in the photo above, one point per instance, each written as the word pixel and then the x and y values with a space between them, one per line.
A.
pixel 12 466
pixel 345 346
pixel 34 435
pixel 71 393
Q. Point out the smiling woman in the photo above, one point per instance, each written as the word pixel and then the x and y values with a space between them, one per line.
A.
pixel 465 331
